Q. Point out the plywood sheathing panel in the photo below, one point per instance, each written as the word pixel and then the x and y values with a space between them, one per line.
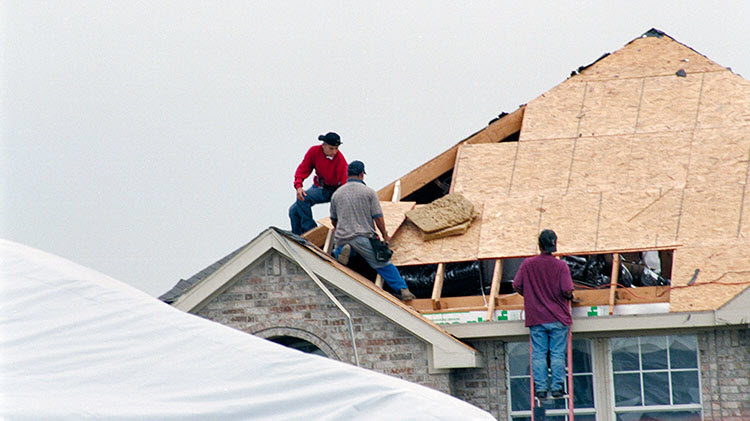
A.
pixel 542 165
pixel 602 163
pixel 638 219
pixel 669 103
pixel 484 170
pixel 510 226
pixel 554 114
pixel 710 213
pixel 575 219
pixel 601 98
pixel 719 155
pixel 444 212
pixel 725 101
pixel 648 56
pixel 410 249
pixel 720 264
pixel 659 160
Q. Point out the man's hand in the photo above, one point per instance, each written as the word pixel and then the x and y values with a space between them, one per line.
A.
pixel 301 194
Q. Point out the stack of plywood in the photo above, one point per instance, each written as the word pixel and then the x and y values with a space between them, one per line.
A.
pixel 447 216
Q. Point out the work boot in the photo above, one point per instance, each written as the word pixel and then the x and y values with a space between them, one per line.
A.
pixel 343 257
pixel 558 393
pixel 406 295
pixel 541 394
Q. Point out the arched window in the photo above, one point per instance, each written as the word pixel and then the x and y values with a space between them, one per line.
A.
pixel 298 344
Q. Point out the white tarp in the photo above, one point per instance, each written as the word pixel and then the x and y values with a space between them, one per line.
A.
pixel 75 344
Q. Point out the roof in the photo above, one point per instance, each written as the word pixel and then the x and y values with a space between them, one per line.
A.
pixel 649 147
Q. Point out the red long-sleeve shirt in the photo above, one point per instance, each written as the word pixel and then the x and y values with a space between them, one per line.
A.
pixel 329 172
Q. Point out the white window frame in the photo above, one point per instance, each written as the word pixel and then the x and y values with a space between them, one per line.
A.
pixel 603 383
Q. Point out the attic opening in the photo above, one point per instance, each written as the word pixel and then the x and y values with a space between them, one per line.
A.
pixel 298 344
pixel 476 281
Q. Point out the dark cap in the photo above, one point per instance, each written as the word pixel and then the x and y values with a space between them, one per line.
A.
pixel 330 138
pixel 548 241
pixel 356 168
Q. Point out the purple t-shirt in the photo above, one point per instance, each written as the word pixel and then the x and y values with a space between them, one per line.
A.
pixel 541 280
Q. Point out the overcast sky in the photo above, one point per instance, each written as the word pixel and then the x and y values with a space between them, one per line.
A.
pixel 147 139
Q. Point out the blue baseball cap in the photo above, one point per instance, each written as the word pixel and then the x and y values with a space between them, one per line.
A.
pixel 356 168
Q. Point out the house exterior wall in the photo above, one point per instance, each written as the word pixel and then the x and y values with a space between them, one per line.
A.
pixel 275 297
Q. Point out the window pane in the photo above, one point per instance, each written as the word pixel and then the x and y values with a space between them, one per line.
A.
pixel 627 389
pixel 683 352
pixel 656 388
pixel 583 391
pixel 659 416
pixel 518 358
pixel 519 394
pixel 624 354
pixel 685 387
pixel 654 352
pixel 582 356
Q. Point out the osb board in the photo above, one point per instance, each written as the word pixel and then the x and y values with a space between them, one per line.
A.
pixel 554 114
pixel 510 226
pixel 638 219
pixel 542 165
pixel 721 265
pixel 484 170
pixel 601 163
pixel 574 218
pixel 658 160
pixel 710 212
pixel 669 103
pixel 720 155
pixel 409 248
pixel 394 214
pixel 649 56
pixel 725 100
pixel 602 97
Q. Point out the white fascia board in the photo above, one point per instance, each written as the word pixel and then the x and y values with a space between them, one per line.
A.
pixel 214 284
pixel 606 325
pixel 736 311
pixel 448 352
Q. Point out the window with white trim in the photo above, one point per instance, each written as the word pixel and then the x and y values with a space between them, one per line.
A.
pixel 583 383
pixel 656 377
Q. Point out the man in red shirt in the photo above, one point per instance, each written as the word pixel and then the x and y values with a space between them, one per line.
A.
pixel 330 173
pixel 546 286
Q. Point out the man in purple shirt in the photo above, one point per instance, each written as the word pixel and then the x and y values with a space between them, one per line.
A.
pixel 546 286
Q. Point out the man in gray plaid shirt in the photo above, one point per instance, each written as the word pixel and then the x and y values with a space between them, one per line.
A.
pixel 354 208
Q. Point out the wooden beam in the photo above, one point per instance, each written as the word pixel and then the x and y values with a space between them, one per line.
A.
pixel 328 245
pixel 317 235
pixel 587 297
pixel 396 196
pixel 613 286
pixel 379 281
pixel 497 275
pixel 444 162
pixel 437 287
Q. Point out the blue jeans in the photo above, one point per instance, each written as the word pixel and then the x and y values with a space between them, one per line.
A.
pixel 389 272
pixel 552 338
pixel 300 213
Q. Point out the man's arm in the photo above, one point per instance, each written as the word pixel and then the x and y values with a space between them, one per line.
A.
pixel 380 223
pixel 304 169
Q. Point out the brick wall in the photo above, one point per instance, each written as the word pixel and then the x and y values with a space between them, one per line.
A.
pixel 484 387
pixel 275 297
pixel 725 374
